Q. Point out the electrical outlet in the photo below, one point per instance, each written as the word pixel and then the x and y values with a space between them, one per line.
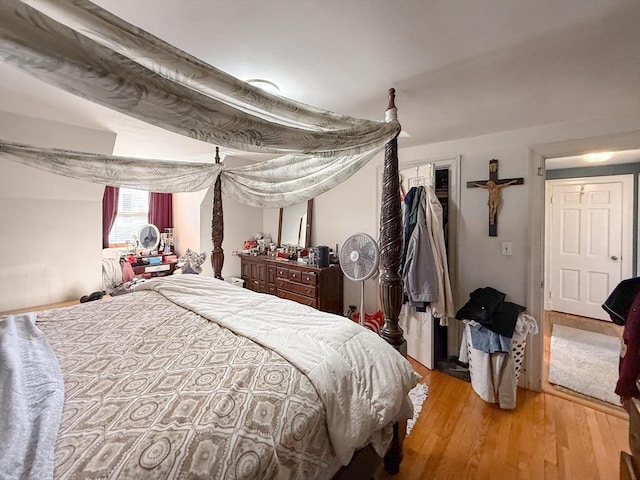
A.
pixel 506 248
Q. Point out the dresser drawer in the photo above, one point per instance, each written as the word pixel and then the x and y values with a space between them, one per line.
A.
pixel 295 275
pixel 310 278
pixel 310 302
pixel 306 290
pixel 282 272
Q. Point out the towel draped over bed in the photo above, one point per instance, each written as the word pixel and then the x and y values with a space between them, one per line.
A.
pixel 31 399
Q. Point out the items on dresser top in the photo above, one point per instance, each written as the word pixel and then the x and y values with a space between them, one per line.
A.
pixel 153 265
pixel 316 287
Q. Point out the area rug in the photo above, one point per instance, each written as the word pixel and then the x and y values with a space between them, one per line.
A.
pixel 418 395
pixel 585 362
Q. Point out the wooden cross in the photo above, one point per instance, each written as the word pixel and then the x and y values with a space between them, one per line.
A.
pixel 494 187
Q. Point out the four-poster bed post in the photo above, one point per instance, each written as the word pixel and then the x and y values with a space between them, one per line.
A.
pixel 391 241
pixel 390 279
pixel 217 227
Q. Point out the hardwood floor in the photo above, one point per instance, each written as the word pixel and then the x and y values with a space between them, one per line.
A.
pixel 460 436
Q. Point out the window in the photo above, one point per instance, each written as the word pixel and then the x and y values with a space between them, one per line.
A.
pixel 133 212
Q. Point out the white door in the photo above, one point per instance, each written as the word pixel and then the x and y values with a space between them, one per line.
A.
pixel 589 242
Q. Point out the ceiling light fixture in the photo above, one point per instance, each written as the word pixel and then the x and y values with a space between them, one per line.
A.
pixel 598 157
pixel 265 85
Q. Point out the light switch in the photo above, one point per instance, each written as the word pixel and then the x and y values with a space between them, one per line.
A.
pixel 506 248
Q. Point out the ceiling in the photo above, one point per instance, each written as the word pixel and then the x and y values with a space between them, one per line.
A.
pixel 461 68
pixel 576 161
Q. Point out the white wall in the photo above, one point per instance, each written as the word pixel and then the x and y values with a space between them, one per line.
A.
pixel 479 258
pixel 352 206
pixel 51 234
pixel 192 214
pixel 187 221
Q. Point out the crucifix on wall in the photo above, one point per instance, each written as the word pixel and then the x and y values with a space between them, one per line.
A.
pixel 494 188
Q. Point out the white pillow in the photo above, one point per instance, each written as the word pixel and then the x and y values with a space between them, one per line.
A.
pixel 111 269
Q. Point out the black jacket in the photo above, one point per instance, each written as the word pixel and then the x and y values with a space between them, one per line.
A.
pixel 487 307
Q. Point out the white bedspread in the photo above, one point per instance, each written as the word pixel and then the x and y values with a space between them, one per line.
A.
pixel 31 399
pixel 362 380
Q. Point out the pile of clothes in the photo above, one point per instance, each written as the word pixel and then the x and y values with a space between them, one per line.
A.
pixel 493 320
pixel 493 343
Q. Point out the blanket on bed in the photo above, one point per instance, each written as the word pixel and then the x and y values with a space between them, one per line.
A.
pixel 154 391
pixel 325 347
pixel 31 398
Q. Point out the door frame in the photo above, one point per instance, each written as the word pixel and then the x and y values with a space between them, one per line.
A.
pixel 536 230
pixel 626 247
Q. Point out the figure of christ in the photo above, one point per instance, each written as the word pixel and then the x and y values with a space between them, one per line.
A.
pixel 493 202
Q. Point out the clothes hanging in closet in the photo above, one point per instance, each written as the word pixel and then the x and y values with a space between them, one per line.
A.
pixel 425 270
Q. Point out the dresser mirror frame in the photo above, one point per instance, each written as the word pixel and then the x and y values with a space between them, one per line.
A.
pixel 288 221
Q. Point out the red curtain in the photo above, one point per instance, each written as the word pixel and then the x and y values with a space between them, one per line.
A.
pixel 109 212
pixel 161 210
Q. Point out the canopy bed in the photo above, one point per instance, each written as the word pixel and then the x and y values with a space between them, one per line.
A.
pixel 113 351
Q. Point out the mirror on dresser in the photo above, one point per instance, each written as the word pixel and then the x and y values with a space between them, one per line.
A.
pixel 294 226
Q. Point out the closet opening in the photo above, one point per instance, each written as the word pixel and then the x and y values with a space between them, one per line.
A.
pixel 428 342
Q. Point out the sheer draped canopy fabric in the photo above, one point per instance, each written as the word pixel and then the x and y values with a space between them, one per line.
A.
pixel 84 49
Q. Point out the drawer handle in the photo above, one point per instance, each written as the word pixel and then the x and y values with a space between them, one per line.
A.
pixel 309 291
pixel 256 282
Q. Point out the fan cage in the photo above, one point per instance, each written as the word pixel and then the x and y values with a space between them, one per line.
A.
pixel 359 257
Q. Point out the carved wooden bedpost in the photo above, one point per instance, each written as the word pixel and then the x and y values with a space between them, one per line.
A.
pixel 217 227
pixel 391 242
pixel 390 279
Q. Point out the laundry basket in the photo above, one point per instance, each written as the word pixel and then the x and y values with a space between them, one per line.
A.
pixel 494 376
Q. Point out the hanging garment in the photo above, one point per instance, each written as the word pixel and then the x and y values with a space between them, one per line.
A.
pixel 629 373
pixel 618 304
pixel 425 272
pixel 419 272
pixel 443 308
pixel 409 218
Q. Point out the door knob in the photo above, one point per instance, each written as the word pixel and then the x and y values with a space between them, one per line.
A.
pixel 613 257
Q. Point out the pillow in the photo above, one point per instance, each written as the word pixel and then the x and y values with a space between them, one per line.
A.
pixel 111 270
pixel 127 272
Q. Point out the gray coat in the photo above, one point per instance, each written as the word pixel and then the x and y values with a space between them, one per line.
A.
pixel 419 272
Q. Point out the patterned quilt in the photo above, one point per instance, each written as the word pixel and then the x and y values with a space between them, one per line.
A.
pixel 155 391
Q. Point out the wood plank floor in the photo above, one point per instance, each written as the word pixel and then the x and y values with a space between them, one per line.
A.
pixel 460 436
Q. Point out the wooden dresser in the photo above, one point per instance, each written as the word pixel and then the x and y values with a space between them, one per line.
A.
pixel 316 287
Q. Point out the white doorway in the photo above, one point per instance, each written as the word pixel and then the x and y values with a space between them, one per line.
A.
pixel 537 231
pixel 588 242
